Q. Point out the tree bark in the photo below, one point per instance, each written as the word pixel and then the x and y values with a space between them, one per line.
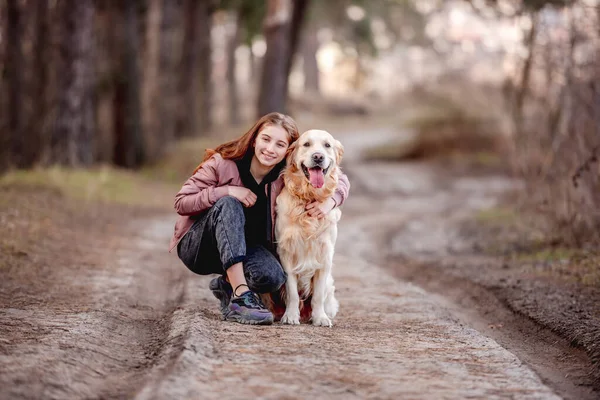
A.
pixel 272 95
pixel 186 121
pixel 525 74
pixel 252 66
pixel 232 45
pixel 13 82
pixel 72 141
pixel 151 80
pixel 41 58
pixel 205 67
pixel 129 144
pixel 310 65
pixel 167 104
pixel 298 16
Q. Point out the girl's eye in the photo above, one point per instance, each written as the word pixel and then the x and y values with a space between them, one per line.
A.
pixel 265 139
pixel 281 145
pixel 327 145
pixel 306 144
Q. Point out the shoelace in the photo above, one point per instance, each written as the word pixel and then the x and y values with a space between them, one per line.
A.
pixel 252 300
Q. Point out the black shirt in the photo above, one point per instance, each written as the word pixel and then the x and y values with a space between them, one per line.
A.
pixel 258 217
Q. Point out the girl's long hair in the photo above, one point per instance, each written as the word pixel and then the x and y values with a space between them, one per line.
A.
pixel 237 148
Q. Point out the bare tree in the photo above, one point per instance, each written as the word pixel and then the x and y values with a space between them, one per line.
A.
pixel 186 121
pixel 13 86
pixel 310 66
pixel 299 10
pixel 37 126
pixel 232 45
pixel 205 67
pixel 526 71
pixel 168 62
pixel 151 79
pixel 272 95
pixel 129 150
pixel 72 139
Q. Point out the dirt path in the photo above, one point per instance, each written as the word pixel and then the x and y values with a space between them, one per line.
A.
pixel 415 230
pixel 147 328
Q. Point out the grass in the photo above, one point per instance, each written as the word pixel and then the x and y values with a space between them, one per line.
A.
pixel 180 161
pixel 550 254
pixel 153 185
pixel 102 183
pixel 498 214
pixel 510 234
pixel 447 128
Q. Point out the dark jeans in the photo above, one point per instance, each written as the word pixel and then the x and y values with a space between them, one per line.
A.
pixel 216 242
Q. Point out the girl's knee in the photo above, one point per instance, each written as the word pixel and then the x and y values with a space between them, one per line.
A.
pixel 229 207
pixel 278 280
pixel 229 203
pixel 270 282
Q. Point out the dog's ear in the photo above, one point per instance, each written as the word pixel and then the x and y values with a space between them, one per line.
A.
pixel 339 152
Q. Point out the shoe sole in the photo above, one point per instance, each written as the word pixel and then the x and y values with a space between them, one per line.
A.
pixel 241 320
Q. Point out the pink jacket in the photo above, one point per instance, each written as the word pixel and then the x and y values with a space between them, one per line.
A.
pixel 212 181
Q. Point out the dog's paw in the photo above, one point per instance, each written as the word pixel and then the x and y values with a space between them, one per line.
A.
pixel 290 318
pixel 321 320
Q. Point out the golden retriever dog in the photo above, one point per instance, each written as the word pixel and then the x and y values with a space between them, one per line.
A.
pixel 306 244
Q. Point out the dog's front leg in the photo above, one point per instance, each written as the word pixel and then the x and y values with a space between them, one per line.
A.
pixel 292 301
pixel 319 318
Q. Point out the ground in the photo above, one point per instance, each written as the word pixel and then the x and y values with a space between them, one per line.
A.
pixel 93 306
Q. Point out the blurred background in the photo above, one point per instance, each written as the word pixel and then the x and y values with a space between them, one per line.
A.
pixel 148 84
pixel 471 130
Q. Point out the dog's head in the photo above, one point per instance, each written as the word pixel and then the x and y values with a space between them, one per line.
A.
pixel 314 158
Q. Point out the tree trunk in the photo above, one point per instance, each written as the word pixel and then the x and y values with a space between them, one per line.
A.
pixel 41 58
pixel 358 69
pixel 252 67
pixel 186 121
pixel 525 74
pixel 232 45
pixel 205 73
pixel 72 141
pixel 310 65
pixel 14 148
pixel 129 144
pixel 298 16
pixel 151 84
pixel 272 95
pixel 168 75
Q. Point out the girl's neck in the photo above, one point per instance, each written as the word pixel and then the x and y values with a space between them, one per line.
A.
pixel 257 170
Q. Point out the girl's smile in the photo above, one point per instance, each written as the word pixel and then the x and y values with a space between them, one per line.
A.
pixel 271 145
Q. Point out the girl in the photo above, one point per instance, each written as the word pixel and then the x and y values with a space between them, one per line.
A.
pixel 227 217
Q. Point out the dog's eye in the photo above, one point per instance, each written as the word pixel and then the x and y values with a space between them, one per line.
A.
pixel 327 145
pixel 306 144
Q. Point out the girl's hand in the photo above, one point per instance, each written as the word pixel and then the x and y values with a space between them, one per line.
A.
pixel 320 210
pixel 244 195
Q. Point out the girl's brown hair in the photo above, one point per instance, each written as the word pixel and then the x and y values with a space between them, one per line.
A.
pixel 237 148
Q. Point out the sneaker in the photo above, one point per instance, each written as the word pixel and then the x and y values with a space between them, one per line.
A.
pixel 223 291
pixel 248 309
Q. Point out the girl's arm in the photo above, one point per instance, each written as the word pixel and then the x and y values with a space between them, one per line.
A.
pixel 200 191
pixel 341 193
pixel 319 210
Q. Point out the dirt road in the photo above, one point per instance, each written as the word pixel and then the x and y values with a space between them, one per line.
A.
pixel 144 327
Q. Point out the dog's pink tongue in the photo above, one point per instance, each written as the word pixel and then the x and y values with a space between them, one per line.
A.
pixel 316 177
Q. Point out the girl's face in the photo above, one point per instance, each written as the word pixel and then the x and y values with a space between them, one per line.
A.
pixel 270 145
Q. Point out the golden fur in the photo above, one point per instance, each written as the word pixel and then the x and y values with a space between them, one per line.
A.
pixel 306 244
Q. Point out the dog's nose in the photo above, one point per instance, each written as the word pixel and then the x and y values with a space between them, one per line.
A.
pixel 318 158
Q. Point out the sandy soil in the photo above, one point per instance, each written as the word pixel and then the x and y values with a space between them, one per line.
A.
pixel 101 310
